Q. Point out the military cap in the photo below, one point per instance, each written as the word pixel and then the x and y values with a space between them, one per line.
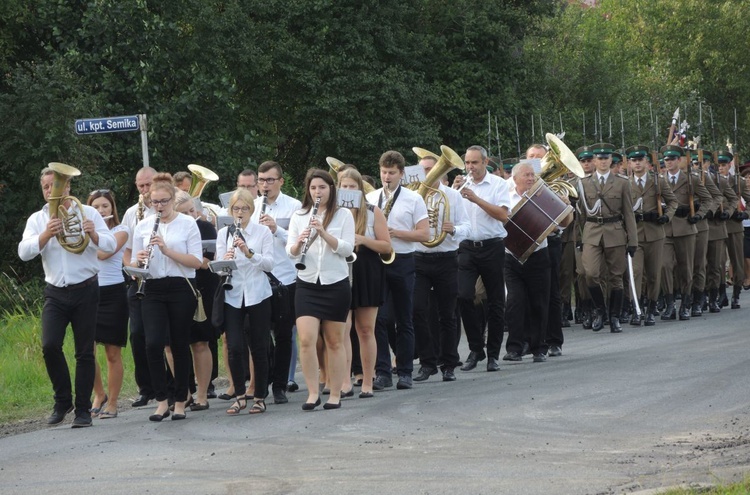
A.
pixel 707 156
pixel 672 150
pixel 616 157
pixel 602 148
pixel 508 163
pixel 637 151
pixel 724 156
pixel 584 152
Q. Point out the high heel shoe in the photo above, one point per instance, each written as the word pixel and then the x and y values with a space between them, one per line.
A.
pixel 309 406
pixel 159 417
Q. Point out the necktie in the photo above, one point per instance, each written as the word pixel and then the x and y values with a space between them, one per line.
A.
pixel 674 180
pixel 601 179
pixel 640 183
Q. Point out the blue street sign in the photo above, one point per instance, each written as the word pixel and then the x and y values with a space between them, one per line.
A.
pixel 107 124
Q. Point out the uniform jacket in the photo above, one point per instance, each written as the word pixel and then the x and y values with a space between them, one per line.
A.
pixel 679 226
pixel 617 201
pixel 649 229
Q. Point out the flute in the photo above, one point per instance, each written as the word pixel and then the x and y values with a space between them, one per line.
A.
pixel 142 281
pixel 228 281
pixel 301 264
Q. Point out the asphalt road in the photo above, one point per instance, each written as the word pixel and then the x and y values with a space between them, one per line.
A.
pixel 648 408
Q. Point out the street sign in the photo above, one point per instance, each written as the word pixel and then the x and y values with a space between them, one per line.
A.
pixel 107 124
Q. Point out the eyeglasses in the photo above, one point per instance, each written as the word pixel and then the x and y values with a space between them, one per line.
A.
pixel 669 158
pixel 99 191
pixel 270 181
pixel 602 156
pixel 162 202
pixel 243 209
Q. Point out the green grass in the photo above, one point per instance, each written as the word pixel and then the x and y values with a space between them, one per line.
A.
pixel 27 391
pixel 741 488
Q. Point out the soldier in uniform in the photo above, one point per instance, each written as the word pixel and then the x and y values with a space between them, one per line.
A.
pixel 734 230
pixel 647 196
pixel 584 306
pixel 609 232
pixel 679 247
pixel 702 239
pixel 717 232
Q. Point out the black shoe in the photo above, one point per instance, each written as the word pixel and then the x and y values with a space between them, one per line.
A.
pixel 578 316
pixel 684 312
pixel 142 400
pixel 597 320
pixel 382 381
pixel 472 360
pixel 158 417
pixel 493 364
pixel 424 374
pixel 512 356
pixel 211 394
pixel 366 395
pixel 226 396
pixel 448 375
pixel 309 406
pixel 350 393
pixel 178 417
pixel 58 415
pixel 279 396
pixel 81 421
pixel 614 324
pixel 404 382
pixel 292 386
pixel 554 351
pixel 540 358
pixel 328 405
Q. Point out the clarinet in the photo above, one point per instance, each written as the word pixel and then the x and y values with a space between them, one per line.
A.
pixel 228 281
pixel 142 281
pixel 265 203
pixel 301 264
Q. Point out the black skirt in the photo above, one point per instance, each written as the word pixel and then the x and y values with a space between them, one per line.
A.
pixel 324 302
pixel 368 280
pixel 112 316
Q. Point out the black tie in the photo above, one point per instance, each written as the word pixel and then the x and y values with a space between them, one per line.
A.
pixel 602 180
pixel 640 183
pixel 674 180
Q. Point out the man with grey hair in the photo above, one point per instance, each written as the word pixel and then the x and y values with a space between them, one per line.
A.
pixel 487 203
pixel 70 297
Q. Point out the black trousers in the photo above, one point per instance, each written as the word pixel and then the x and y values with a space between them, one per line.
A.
pixel 168 308
pixel 486 262
pixel 436 274
pixel 138 343
pixel 528 301
pixel 257 336
pixel 77 307
pixel 282 336
pixel 554 324
pixel 400 286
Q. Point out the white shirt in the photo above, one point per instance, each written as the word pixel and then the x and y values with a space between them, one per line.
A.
pixel 181 234
pixel 321 261
pixel 110 270
pixel 514 199
pixel 62 268
pixel 408 210
pixel 130 220
pixel 458 217
pixel 675 176
pixel 249 282
pixel 281 210
pixel 494 190
pixel 599 177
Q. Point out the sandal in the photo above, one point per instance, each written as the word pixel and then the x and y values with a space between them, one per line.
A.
pixel 96 410
pixel 197 406
pixel 107 414
pixel 237 406
pixel 258 407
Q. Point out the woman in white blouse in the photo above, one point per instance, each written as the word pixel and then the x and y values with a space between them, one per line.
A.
pixel 252 250
pixel 323 292
pixel 169 302
pixel 112 315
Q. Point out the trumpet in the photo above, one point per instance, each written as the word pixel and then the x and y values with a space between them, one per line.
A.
pixel 467 181
pixel 300 265
pixel 142 281
pixel 228 281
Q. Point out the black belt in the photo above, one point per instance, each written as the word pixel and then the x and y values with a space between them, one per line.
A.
pixel 482 243
pixel 80 285
pixel 444 254
pixel 602 220
pixel 404 255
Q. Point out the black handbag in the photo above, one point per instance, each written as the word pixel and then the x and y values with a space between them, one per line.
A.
pixel 217 315
pixel 279 298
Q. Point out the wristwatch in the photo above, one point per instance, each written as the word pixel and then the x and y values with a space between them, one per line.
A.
pixel 250 253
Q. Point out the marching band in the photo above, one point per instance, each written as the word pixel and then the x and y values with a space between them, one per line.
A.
pixel 403 266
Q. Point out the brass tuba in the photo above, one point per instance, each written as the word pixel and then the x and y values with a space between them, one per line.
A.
pixel 433 197
pixel 200 176
pixel 558 161
pixel 72 238
pixel 336 165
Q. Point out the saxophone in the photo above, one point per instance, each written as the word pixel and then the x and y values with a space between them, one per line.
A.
pixel 141 209
pixel 387 259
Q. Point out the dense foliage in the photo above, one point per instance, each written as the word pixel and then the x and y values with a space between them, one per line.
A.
pixel 229 83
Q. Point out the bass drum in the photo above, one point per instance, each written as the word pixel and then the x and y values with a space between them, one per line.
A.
pixel 539 212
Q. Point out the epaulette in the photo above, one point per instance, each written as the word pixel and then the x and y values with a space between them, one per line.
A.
pixel 622 176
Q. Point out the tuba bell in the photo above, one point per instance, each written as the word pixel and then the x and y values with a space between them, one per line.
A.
pixel 72 238
pixel 336 165
pixel 558 161
pixel 200 176
pixel 433 197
